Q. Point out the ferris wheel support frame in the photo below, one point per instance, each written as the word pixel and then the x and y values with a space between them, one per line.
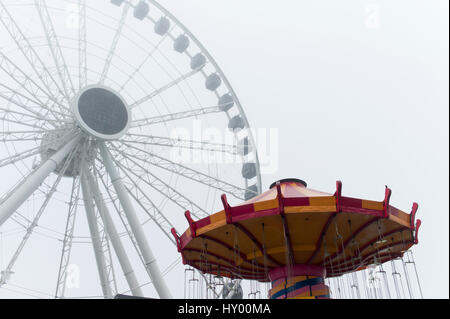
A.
pixel 50 88
pixel 150 261
pixel 113 235
pixel 95 235
pixel 34 180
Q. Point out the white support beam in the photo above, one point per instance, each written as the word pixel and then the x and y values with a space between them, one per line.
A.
pixel 114 236
pixel 150 261
pixel 95 235
pixel 26 189
pixel 68 238
pixel 82 44
pixel 55 48
pixel 34 223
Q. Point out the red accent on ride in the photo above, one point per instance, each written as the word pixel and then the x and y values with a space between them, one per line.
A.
pixel 287 236
pixel 355 205
pixel 412 221
pixel 338 195
pixel 387 197
pixel 202 222
pixel 297 270
pixel 296 201
pixel 322 236
pixel 226 208
pixel 256 242
pixel 280 199
pixel 416 237
pixel 192 224
pixel 230 248
pixel 177 239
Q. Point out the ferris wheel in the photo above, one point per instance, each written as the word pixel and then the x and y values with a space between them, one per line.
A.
pixel 114 120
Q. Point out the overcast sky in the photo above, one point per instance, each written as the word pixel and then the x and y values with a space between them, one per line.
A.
pixel 355 97
pixel 358 92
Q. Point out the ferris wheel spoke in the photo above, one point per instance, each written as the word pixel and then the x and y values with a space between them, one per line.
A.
pixel 137 69
pixel 174 116
pixel 114 43
pixel 82 44
pixel 20 139
pixel 55 48
pixel 19 122
pixel 29 52
pixel 142 199
pixel 6 273
pixel 19 156
pixel 162 187
pixel 15 98
pixel 23 155
pixel 34 180
pixel 178 143
pixel 29 85
pixel 194 175
pixel 164 88
pixel 21 117
pixel 27 135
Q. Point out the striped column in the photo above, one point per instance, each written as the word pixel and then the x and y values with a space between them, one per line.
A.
pixel 299 282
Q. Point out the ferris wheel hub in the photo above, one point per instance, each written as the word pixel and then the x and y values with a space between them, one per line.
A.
pixel 101 112
pixel 52 141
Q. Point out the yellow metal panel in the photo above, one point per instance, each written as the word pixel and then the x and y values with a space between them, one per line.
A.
pixel 309 209
pixel 210 227
pixel 400 221
pixel 369 204
pixel 322 201
pixel 217 217
pixel 269 204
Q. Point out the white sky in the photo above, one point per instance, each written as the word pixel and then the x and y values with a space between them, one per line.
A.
pixel 368 106
pixel 355 97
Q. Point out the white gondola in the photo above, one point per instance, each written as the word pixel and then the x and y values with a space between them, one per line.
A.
pixel 181 43
pixel 249 170
pixel 251 192
pixel 198 61
pixel 243 147
pixel 117 2
pixel 226 102
pixel 236 123
pixel 162 26
pixel 213 81
pixel 141 10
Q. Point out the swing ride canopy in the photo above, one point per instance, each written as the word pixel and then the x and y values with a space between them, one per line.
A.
pixel 291 224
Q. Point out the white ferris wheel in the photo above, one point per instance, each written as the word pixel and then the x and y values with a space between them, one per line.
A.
pixel 112 120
